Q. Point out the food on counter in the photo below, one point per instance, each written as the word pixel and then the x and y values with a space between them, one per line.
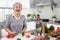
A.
pixel 37 38
pixel 32 33
pixel 23 34
pixel 27 35
pixel 18 39
pixel 53 33
pixel 51 28
pixel 58 38
pixel 58 29
pixel 10 36
pixel 43 30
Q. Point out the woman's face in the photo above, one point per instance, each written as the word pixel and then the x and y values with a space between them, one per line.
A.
pixel 17 8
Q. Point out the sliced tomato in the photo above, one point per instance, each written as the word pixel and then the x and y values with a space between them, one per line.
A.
pixel 10 36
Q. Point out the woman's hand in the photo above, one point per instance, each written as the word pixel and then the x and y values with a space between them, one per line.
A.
pixel 10 32
pixel 14 33
pixel 23 31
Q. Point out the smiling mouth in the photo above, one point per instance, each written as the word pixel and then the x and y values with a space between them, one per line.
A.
pixel 17 10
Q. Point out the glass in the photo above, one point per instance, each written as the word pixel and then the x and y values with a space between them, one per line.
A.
pixel 38 31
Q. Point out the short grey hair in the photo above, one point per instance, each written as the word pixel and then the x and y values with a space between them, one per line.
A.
pixel 17 3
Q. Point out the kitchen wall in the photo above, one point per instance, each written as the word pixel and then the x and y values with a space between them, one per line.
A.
pixel 46 12
pixel 5 12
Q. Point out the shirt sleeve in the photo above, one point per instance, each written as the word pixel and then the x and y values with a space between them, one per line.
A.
pixel 7 24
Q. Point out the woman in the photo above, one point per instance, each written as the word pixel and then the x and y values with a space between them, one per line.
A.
pixel 16 23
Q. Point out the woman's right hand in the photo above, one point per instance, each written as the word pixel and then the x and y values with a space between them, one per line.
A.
pixel 10 32
pixel 14 33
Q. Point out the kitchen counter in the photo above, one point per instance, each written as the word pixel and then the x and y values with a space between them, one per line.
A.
pixel 33 22
pixel 1 25
pixel 19 36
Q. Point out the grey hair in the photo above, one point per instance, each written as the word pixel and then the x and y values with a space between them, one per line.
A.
pixel 17 3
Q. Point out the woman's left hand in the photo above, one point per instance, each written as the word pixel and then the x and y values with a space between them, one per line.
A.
pixel 23 31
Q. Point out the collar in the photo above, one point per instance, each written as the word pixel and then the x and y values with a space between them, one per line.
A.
pixel 16 17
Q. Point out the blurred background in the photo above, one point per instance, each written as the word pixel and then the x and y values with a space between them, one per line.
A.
pixel 41 7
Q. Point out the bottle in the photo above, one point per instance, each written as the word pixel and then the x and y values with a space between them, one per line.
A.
pixel 43 30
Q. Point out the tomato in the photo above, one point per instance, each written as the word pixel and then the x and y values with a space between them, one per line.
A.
pixel 32 33
pixel 10 36
pixel 58 29
pixel 28 36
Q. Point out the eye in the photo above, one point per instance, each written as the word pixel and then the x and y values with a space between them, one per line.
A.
pixel 19 7
pixel 16 6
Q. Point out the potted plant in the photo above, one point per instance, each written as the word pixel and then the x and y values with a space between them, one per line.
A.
pixel 33 16
pixel 29 16
pixel 54 17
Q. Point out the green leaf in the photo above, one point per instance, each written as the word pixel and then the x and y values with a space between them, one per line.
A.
pixel 52 7
pixel 22 34
pixel 54 16
pixel 18 39
pixel 46 29
pixel 51 28
pixel 28 15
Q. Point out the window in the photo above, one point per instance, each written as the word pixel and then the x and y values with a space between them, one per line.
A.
pixel 9 3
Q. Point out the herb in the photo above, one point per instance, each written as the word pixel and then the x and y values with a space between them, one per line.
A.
pixel 18 39
pixel 23 34
pixel 46 29
pixel 52 7
pixel 54 16
pixel 51 28
pixel 28 15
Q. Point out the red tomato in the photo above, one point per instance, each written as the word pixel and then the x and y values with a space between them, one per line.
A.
pixel 32 33
pixel 28 36
pixel 58 29
pixel 11 36
pixel 8 36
